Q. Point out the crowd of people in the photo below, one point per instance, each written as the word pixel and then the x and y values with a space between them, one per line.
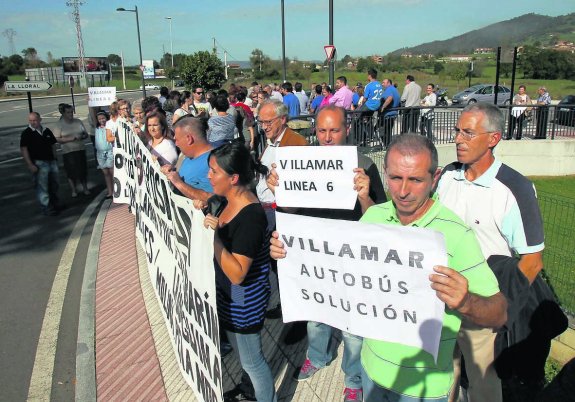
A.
pixel 207 146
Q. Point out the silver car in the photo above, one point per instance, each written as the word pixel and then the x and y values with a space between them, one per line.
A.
pixel 482 93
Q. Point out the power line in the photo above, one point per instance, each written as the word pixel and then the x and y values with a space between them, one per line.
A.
pixel 226 50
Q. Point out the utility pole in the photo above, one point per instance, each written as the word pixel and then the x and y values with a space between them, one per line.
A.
pixel 214 50
pixel 226 63
pixel 10 34
pixel 171 48
pixel 332 61
pixel 284 44
pixel 75 4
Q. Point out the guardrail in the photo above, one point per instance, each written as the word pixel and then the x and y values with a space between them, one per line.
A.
pixel 374 131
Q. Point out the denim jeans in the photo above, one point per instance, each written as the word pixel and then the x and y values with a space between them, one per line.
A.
pixel 374 393
pixel 249 349
pixel 46 183
pixel 319 351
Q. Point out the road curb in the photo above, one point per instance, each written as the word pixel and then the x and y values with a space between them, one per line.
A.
pixel 85 346
pixel 62 96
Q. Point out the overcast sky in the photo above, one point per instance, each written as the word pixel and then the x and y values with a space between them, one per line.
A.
pixel 361 27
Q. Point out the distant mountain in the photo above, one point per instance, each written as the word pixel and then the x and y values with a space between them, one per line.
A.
pixel 527 29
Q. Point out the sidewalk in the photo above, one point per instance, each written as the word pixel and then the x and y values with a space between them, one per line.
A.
pixel 134 358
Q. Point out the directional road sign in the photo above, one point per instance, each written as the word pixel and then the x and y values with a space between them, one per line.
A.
pixel 26 86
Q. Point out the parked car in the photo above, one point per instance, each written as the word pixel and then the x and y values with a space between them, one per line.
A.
pixel 151 86
pixel 482 93
pixel 565 114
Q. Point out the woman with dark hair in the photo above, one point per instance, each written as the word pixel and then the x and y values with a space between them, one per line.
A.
pixel 161 147
pixel 73 151
pixel 242 262
pixel 184 109
pixel 246 125
pixel 327 93
pixel 221 127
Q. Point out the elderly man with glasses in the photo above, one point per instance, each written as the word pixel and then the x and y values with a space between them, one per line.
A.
pixel 500 205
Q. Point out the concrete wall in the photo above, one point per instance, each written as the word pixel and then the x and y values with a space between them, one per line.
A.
pixel 530 158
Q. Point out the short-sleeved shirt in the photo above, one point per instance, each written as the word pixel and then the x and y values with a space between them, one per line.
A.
pixel 409 370
pixel 194 172
pixel 76 128
pixel 241 308
pixel 292 103
pixel 316 102
pixel 500 206
pixel 394 93
pixel 372 94
pixel 39 145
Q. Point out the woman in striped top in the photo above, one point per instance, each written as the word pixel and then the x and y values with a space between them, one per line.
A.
pixel 241 261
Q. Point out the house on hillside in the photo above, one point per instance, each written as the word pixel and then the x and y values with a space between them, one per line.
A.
pixel 459 58
pixel 484 50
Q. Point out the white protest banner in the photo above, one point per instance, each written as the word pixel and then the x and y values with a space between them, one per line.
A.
pixel 179 252
pixel 101 96
pixel 125 164
pixel 316 177
pixel 367 279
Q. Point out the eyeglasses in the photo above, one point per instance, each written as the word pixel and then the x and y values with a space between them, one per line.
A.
pixel 467 136
pixel 200 93
pixel 267 122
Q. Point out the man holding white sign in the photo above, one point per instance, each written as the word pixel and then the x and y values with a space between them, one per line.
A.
pixel 394 371
pixel 365 188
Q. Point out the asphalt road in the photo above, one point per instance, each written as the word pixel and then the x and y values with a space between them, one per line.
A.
pixel 32 255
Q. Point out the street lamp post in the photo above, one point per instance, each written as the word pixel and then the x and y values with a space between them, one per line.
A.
pixel 171 49
pixel 135 10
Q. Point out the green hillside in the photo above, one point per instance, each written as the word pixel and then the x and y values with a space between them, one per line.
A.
pixel 528 29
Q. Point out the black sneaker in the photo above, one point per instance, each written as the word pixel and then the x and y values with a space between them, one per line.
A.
pixel 274 313
pixel 50 212
pixel 236 395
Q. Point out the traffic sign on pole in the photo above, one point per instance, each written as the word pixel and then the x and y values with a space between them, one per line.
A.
pixel 329 51
pixel 71 81
pixel 26 86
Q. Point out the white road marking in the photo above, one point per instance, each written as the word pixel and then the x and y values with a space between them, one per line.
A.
pixel 41 381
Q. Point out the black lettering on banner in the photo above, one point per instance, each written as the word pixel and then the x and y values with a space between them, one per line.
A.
pixel 118 161
pixel 117 187
pixel 301 185
pixel 415 258
pixel 203 386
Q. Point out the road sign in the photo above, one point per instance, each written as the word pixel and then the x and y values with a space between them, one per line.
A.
pixel 71 80
pixel 329 51
pixel 26 86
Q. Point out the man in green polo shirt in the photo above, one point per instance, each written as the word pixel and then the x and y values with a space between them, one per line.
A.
pixel 398 373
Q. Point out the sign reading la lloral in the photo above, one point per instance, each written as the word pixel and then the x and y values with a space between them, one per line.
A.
pixel 26 86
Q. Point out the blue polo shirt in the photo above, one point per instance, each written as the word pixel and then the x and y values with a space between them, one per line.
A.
pixel 292 103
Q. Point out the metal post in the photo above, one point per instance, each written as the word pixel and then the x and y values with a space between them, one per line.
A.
pixel 29 95
pixel 284 44
pixel 171 48
pixel 332 61
pixel 509 133
pixel 497 75
pixel 140 47
pixel 135 10
pixel 123 72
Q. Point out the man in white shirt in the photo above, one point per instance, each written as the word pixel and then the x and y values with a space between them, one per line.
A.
pixel 410 98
